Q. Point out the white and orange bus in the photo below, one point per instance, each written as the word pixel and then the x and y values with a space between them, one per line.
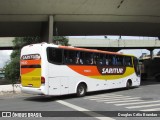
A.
pixel 49 69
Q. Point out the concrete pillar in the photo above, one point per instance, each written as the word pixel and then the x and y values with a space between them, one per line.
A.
pixel 51 25
pixel 47 30
pixel 151 53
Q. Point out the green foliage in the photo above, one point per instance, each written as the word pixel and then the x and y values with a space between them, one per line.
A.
pixel 12 70
pixel 19 42
pixel 60 40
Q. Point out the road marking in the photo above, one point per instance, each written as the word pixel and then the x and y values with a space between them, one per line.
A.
pixel 141 106
pixel 124 101
pixel 155 109
pixel 135 103
pixel 106 95
pixel 92 114
pixel 138 88
pixel 110 97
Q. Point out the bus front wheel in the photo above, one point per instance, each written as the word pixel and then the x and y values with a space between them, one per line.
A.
pixel 128 84
pixel 81 90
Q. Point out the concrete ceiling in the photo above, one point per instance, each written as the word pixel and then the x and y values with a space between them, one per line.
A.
pixel 81 17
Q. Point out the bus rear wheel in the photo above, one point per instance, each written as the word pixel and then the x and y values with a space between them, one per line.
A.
pixel 128 84
pixel 81 90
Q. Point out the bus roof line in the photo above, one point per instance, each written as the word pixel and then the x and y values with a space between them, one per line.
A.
pixel 89 50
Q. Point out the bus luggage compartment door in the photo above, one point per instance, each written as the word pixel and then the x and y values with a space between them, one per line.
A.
pixel 58 86
pixel 54 86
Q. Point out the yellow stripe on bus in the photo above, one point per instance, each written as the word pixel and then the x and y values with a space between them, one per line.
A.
pixel 32 78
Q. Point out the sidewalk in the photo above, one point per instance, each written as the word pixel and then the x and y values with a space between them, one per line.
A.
pixel 10 89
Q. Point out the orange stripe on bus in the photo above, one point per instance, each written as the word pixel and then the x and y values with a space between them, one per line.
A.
pixel 85 70
pixel 89 50
pixel 26 70
pixel 30 62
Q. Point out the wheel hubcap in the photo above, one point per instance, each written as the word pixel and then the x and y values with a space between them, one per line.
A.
pixel 81 90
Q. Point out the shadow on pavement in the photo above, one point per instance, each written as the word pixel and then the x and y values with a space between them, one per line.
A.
pixel 44 98
pixel 41 98
pixel 149 82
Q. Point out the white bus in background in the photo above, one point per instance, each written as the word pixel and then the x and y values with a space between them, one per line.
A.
pixel 49 69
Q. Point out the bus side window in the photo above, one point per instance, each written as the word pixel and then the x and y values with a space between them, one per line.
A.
pixel 106 60
pixel 110 57
pixel 128 61
pixel 101 59
pixel 79 58
pixel 119 60
pixel 54 55
pixel 96 58
pixel 83 59
pixel 114 62
pixel 65 57
pixel 90 58
pixel 69 57
pixel 87 58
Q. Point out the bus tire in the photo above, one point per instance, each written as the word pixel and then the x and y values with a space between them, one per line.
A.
pixel 81 90
pixel 128 84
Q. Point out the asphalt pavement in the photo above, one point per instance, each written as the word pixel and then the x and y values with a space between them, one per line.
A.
pixel 118 104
